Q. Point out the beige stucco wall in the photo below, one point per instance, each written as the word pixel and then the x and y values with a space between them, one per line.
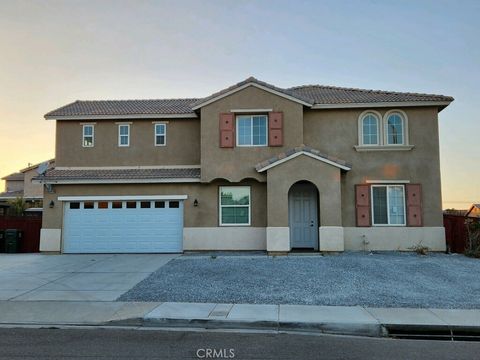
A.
pixel 205 215
pixel 32 190
pixel 474 213
pixel 325 177
pixel 182 148
pixel 14 185
pixel 335 132
pixel 235 164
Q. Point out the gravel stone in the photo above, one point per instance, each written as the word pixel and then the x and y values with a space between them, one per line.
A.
pixel 353 278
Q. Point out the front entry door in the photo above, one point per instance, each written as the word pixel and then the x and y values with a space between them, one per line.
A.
pixel 303 216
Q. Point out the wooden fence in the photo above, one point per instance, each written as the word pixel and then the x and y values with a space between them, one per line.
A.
pixel 456 232
pixel 29 225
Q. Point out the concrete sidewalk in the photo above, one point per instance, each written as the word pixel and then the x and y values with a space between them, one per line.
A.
pixel 353 320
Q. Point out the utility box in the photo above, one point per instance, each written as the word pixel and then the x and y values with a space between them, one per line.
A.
pixel 12 240
pixel 2 241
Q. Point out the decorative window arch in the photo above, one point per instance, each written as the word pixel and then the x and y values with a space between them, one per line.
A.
pixel 369 128
pixel 395 128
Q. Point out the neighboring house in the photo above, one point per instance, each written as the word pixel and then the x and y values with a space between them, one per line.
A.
pixel 251 167
pixel 20 185
pixel 474 211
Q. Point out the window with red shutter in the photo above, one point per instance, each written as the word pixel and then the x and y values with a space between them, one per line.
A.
pixel 414 205
pixel 362 205
pixel 226 129
pixel 275 128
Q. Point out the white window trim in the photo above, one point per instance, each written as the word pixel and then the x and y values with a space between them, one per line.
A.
pixel 388 206
pixel 251 117
pixel 220 206
pixel 119 136
pixel 155 133
pixel 83 135
pixel 379 127
pixel 404 118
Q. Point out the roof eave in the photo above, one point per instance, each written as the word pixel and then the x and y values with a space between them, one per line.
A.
pixel 113 181
pixel 115 117
pixel 440 104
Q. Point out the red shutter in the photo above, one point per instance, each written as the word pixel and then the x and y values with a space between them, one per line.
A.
pixel 275 128
pixel 227 132
pixel 414 204
pixel 362 204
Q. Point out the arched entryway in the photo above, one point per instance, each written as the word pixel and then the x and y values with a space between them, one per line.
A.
pixel 303 215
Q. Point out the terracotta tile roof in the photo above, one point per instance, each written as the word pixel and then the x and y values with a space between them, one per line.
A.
pixel 124 107
pixel 308 94
pixel 121 174
pixel 320 94
pixel 300 149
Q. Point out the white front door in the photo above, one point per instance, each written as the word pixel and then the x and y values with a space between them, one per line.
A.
pixel 123 226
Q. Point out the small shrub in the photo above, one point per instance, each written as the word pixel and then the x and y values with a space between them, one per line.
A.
pixel 18 206
pixel 420 249
pixel 473 241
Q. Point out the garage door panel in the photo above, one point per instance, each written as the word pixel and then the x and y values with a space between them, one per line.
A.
pixel 123 230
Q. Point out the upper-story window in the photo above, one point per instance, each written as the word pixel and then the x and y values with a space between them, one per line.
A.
pixel 370 127
pixel 124 135
pixel 387 132
pixel 394 132
pixel 252 130
pixel 88 134
pixel 160 134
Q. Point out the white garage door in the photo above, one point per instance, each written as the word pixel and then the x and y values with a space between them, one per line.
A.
pixel 147 226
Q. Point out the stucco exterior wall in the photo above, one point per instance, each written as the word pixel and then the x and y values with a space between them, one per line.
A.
pixel 14 185
pixel 32 190
pixel 324 176
pixel 235 164
pixel 204 215
pixel 182 148
pixel 335 132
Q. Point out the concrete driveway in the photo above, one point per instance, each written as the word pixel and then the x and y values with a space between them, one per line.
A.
pixel 74 277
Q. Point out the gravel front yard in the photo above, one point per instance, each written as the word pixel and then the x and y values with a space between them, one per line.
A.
pixel 377 280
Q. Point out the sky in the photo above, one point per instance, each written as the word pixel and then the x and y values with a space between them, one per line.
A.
pixel 55 52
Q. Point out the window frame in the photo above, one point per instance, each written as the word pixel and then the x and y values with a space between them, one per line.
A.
pixel 220 206
pixel 120 135
pixel 84 126
pixel 362 116
pixel 164 134
pixel 403 117
pixel 388 205
pixel 237 137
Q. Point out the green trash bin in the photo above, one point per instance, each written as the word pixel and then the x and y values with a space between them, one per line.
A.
pixel 2 241
pixel 12 241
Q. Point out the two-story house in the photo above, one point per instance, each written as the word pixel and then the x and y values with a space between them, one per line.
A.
pixel 251 167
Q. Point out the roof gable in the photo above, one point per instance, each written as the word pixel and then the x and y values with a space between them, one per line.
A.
pixel 251 81
pixel 302 150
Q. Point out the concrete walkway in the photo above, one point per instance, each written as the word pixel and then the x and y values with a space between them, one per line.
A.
pixel 353 320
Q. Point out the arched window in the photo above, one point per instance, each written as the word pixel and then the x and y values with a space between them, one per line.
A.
pixel 370 125
pixel 395 129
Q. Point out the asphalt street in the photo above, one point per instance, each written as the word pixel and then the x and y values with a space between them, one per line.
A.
pixel 28 343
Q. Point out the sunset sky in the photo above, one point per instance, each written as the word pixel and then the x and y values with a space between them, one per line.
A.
pixel 55 52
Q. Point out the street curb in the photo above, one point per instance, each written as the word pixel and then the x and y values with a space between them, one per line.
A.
pixel 358 329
